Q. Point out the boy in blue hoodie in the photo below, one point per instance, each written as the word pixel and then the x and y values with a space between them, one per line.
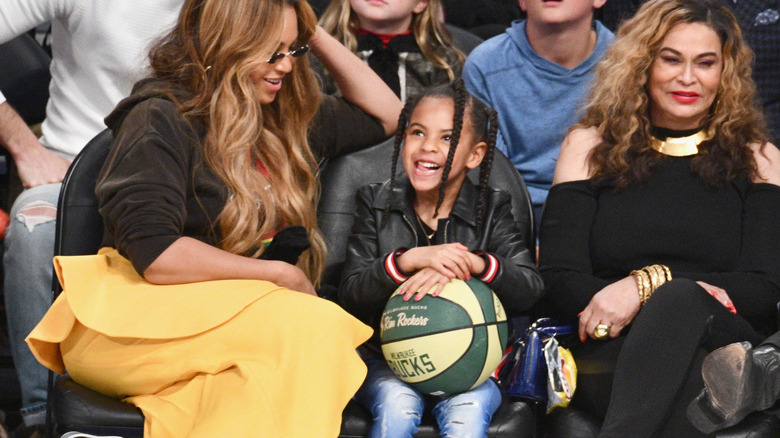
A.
pixel 536 76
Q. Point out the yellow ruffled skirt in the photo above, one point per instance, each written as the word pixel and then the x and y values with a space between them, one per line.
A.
pixel 238 358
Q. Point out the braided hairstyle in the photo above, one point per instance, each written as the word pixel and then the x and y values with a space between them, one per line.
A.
pixel 484 123
pixel 491 133
pixel 460 98
pixel 403 120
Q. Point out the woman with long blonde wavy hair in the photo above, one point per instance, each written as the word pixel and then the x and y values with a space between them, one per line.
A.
pixel 201 308
pixel 659 238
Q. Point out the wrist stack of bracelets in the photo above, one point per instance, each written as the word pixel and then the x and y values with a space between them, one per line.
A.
pixel 650 278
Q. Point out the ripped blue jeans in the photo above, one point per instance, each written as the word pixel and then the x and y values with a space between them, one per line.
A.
pixel 29 247
pixel 397 408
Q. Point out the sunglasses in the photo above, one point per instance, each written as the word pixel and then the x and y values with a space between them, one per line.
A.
pixel 295 53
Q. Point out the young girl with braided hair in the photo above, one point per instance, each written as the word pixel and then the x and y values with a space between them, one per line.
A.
pixel 424 229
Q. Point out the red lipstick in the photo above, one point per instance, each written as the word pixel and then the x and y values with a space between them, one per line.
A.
pixel 685 96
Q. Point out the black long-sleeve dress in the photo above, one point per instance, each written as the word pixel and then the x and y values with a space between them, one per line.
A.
pixel 593 235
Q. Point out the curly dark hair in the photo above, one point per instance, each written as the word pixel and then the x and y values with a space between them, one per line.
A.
pixel 619 104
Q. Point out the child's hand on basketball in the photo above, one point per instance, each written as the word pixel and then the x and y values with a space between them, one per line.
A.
pixel 452 260
pixel 425 281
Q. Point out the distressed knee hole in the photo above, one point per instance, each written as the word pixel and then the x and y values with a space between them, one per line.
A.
pixel 408 413
pixel 36 213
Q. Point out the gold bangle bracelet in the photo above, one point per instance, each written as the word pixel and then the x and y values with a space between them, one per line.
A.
pixel 639 285
pixel 661 273
pixel 662 270
pixel 655 279
pixel 647 288
pixel 667 272
pixel 650 278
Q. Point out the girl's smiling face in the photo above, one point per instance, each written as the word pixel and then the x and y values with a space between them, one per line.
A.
pixel 427 143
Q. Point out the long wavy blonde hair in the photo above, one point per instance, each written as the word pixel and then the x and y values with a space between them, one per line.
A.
pixel 432 37
pixel 211 52
pixel 619 103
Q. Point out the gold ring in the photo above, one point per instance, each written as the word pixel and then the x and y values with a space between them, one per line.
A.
pixel 601 331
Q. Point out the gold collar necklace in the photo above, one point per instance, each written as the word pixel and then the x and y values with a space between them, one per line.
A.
pixel 679 146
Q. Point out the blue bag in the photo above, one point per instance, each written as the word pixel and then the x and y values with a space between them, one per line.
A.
pixel 527 378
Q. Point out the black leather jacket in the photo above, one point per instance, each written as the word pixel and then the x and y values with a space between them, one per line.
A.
pixel 367 283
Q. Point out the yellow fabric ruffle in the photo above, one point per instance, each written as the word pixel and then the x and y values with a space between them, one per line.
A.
pixel 145 309
pixel 219 358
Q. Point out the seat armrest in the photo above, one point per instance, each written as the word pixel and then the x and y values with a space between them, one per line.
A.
pixel 76 406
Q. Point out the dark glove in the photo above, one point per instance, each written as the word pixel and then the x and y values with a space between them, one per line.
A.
pixel 288 244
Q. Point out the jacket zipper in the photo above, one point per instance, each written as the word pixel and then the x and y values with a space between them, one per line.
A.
pixel 446 226
pixel 410 226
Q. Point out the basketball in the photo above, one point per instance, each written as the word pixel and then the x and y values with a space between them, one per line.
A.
pixel 447 344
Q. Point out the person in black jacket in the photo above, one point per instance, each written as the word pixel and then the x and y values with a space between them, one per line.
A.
pixel 425 229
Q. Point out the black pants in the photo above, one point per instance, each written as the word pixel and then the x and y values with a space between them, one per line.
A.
pixel 641 382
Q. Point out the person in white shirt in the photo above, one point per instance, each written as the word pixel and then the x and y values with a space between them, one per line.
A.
pixel 99 50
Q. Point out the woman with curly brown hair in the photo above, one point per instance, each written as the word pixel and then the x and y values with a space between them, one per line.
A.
pixel 659 237
pixel 201 308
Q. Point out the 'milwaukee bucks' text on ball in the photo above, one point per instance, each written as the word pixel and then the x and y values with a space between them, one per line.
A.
pixel 447 344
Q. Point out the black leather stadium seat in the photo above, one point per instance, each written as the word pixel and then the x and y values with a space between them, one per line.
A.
pixel 79 230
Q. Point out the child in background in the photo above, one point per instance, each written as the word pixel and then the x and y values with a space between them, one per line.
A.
pixel 402 40
pixel 546 62
pixel 431 226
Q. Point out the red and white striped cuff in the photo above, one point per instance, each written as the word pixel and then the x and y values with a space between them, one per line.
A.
pixel 491 268
pixel 392 268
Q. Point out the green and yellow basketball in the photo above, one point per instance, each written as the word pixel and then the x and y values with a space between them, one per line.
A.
pixel 446 344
